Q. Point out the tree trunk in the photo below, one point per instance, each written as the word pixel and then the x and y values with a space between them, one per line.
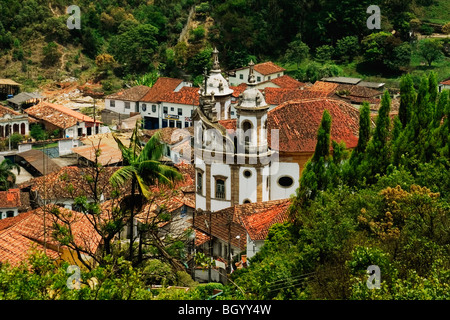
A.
pixel 131 223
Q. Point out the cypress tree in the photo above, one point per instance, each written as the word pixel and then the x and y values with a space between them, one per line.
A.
pixel 407 99
pixel 352 175
pixel 423 108
pixel 315 176
pixel 323 137
pixel 441 107
pixel 432 87
pixel 377 154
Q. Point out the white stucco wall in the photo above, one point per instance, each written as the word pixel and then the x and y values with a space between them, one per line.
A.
pixel 284 169
pixel 247 186
pixel 4 211
pixel 119 106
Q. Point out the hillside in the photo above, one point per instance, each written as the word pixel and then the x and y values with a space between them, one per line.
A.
pixel 175 38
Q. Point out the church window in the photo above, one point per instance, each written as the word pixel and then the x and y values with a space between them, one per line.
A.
pixel 199 182
pixel 247 173
pixel 220 189
pixel 285 181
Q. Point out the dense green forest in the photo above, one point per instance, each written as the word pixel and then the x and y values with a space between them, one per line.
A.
pixel 310 38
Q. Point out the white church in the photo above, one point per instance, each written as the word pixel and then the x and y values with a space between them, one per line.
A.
pixel 236 166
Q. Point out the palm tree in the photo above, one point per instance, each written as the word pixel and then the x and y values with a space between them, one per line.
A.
pixel 7 177
pixel 142 168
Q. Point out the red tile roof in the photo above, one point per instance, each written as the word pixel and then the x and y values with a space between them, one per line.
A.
pixel 161 87
pixel 327 88
pixel 132 94
pixel 446 82
pixel 57 115
pixel 70 182
pixel 10 198
pixel 5 110
pixel 108 154
pixel 258 217
pixel 287 81
pixel 299 121
pixel 186 95
pixel 267 68
pixel 19 235
pixel 238 90
pixel 222 223
pixel 276 96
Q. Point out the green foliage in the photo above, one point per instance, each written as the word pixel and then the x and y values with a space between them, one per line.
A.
pixel 135 48
pixel 51 54
pixel 430 50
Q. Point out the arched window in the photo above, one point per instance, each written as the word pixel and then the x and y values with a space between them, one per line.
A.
pixel 247 201
pixel 22 128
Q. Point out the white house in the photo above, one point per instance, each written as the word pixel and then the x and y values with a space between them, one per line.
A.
pixel 169 103
pixel 72 124
pixel 12 122
pixel 12 202
pixel 265 71
pixel 444 85
pixel 126 101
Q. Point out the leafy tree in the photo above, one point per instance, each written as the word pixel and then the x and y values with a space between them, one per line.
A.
pixel 135 48
pixel 430 50
pixel 324 53
pixel 51 54
pixel 297 51
pixel 142 168
pixel 347 48
pixel 7 177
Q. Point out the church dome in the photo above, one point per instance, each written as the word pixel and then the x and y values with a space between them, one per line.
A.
pixel 251 97
pixel 216 83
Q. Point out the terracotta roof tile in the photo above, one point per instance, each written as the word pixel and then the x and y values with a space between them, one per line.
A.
pixel 446 82
pixel 327 88
pixel 161 87
pixel 10 198
pixel 68 182
pixel 286 81
pixel 299 121
pixel 267 68
pixel 276 96
pixel 19 235
pixel 108 154
pixel 221 223
pixel 238 89
pixel 132 94
pixel 186 95
pixel 5 110
pixel 258 217
pixel 58 115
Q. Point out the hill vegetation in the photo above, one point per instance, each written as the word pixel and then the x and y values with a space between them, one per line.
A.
pixel 175 38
